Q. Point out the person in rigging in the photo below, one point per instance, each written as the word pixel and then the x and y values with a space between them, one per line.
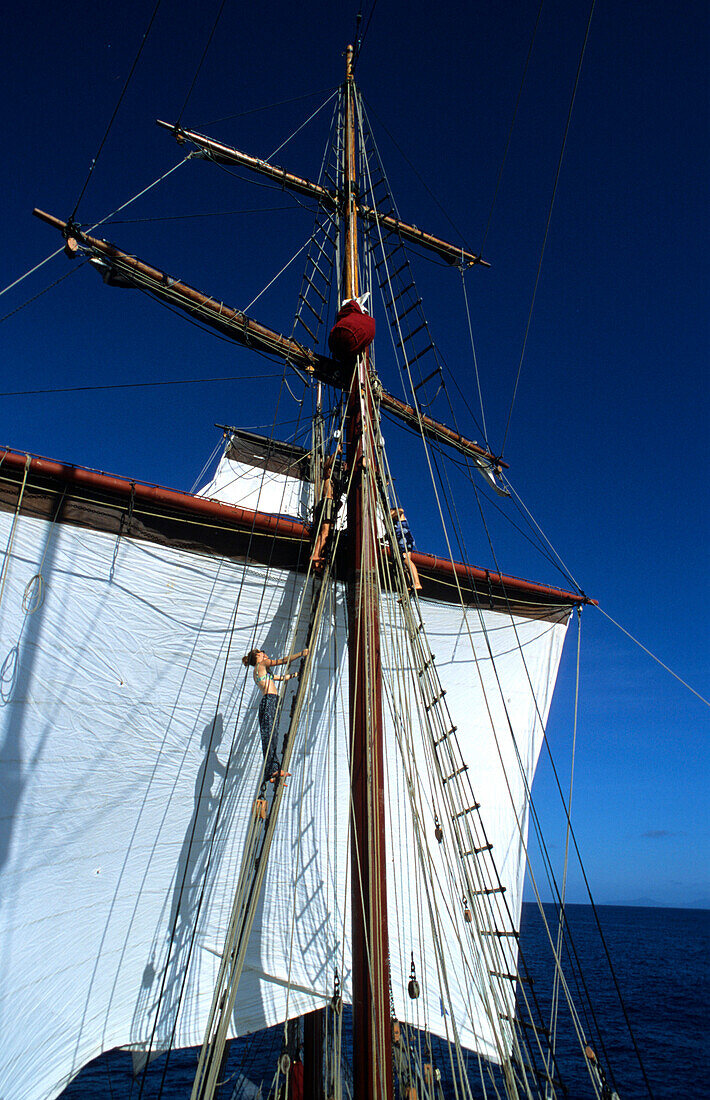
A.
pixel 323 515
pixel 266 681
pixel 405 542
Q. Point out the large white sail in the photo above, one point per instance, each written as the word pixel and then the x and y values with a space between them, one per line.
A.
pixel 129 765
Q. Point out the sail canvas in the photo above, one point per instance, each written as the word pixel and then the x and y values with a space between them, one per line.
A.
pixel 130 764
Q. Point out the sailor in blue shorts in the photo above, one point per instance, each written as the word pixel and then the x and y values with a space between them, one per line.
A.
pixel 405 542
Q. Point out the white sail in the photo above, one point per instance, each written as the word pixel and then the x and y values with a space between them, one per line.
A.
pixel 129 765
pixel 263 474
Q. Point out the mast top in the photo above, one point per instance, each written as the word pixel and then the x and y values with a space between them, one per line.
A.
pixel 349 52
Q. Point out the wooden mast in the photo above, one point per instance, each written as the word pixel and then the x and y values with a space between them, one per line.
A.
pixel 372 1061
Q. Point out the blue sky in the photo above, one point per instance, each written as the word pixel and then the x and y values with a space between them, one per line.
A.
pixel 608 438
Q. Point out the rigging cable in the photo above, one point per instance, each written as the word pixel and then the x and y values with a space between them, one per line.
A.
pixel 475 358
pixel 219 807
pixel 547 864
pixel 34 297
pixel 474 889
pixel 654 657
pixel 116 110
pixel 140 385
pixel 549 219
pixel 492 1015
pixel 360 38
pixel 199 66
pixel 427 453
pixel 96 225
pixel 304 124
pixel 208 214
pixel 421 179
pixel 266 107
pixel 218 813
pixel 551 876
pixel 512 126
pixel 563 894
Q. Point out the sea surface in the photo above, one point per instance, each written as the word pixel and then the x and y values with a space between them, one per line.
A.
pixel 661 965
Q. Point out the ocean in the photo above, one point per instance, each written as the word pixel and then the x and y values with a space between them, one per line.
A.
pixel 661 964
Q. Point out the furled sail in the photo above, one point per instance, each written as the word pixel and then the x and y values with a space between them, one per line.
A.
pixel 130 761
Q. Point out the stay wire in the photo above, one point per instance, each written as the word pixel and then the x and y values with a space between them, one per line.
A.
pixel 360 38
pixel 512 127
pixel 475 359
pixel 206 214
pixel 201 61
pixel 267 107
pixel 425 185
pixel 117 107
pixel 553 882
pixel 34 298
pixel 426 451
pixel 139 385
pixel 303 124
pixel 96 225
pixel 549 219
pixel 654 657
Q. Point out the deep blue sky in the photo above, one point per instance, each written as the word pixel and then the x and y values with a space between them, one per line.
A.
pixel 608 441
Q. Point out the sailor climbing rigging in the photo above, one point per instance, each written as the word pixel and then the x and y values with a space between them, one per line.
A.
pixel 405 542
pixel 324 514
pixel 265 679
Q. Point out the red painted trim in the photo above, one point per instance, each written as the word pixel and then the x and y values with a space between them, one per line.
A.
pixel 230 514
pixel 233 516
pixel 431 563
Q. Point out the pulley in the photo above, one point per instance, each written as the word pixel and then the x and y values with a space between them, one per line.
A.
pixel 336 1001
pixel 413 986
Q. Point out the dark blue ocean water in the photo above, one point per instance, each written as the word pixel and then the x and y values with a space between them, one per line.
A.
pixel 661 963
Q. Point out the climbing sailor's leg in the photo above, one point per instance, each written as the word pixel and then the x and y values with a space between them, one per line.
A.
pixel 269 734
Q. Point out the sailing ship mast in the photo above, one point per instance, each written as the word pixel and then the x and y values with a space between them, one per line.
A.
pixel 373 1004
pixel 370 942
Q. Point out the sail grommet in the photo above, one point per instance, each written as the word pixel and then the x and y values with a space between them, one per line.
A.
pixel 285 1062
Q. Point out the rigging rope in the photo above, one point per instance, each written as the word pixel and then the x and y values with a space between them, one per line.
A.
pixel 199 66
pixel 96 225
pixel 512 126
pixel 116 109
pixel 563 892
pixel 140 385
pixel 360 38
pixel 654 657
pixel 549 220
pixel 310 118
pixel 475 358
pixel 34 297
pixel 11 538
pixel 266 107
